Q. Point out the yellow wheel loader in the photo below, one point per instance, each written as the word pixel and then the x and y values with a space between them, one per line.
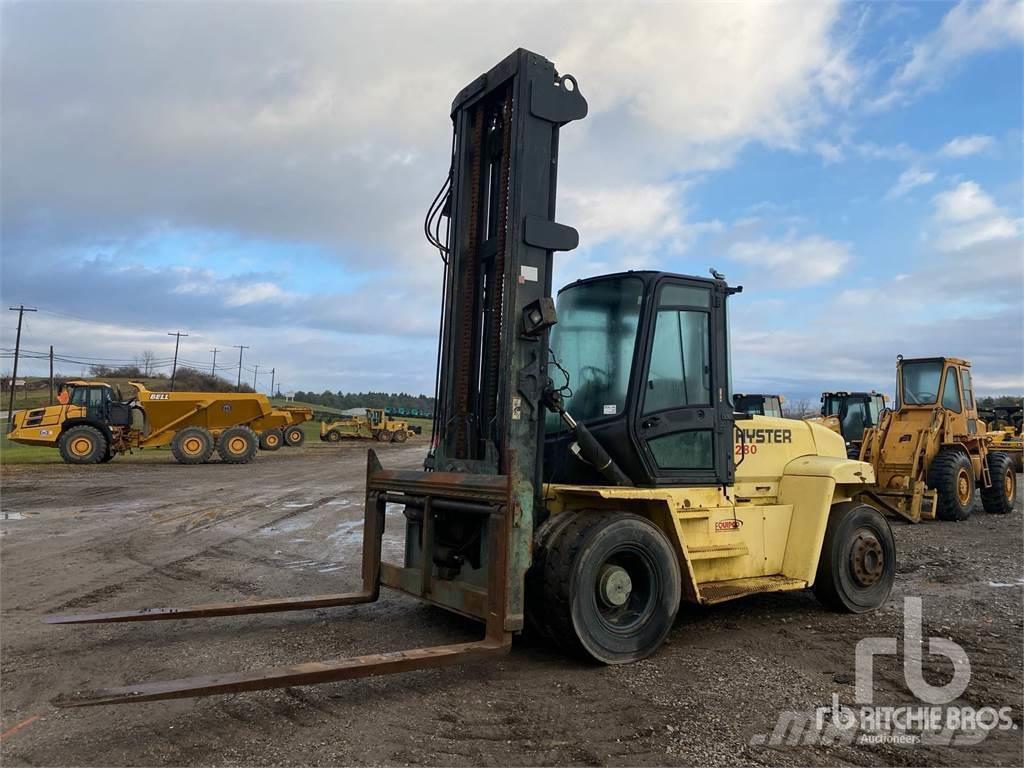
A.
pixel 850 413
pixel 587 471
pixel 97 423
pixel 375 425
pixel 931 453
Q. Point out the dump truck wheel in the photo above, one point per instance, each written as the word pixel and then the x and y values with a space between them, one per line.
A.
pixel 611 586
pixel 82 445
pixel 1000 497
pixel 383 436
pixel 952 477
pixel 334 436
pixel 400 436
pixel 294 437
pixel 857 566
pixel 271 440
pixel 107 457
pixel 237 445
pixel 192 445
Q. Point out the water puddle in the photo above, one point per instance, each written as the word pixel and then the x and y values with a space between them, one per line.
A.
pixel 12 516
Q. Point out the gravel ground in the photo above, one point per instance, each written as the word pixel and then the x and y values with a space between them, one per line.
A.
pixel 130 535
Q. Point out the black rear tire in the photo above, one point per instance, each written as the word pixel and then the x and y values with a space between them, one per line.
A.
pixel 294 436
pixel 608 584
pixel 82 445
pixel 192 445
pixel 271 440
pixel 334 436
pixel 1000 497
pixel 952 477
pixel 857 566
pixel 237 445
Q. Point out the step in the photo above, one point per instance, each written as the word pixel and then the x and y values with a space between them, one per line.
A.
pixel 717 551
pixel 693 514
pixel 719 591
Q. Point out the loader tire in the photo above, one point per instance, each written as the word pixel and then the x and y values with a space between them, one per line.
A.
pixel 294 437
pixel 609 586
pixel 1000 497
pixel 400 436
pixel 857 566
pixel 192 445
pixel 271 440
pixel 82 445
pixel 237 445
pixel 334 436
pixel 952 477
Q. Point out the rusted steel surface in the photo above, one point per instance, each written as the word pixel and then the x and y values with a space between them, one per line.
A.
pixel 210 610
pixel 310 673
pixel 451 485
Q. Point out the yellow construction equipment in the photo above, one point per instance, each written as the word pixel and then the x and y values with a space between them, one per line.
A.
pixel 96 424
pixel 1007 431
pixel 374 425
pixel 932 452
pixel 587 471
pixel 850 413
pixel 759 405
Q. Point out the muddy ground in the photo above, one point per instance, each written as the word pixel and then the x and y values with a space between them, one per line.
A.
pixel 132 535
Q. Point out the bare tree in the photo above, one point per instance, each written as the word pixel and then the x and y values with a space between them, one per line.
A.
pixel 145 361
pixel 798 409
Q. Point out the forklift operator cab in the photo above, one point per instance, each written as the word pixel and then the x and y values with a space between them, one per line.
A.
pixel 641 360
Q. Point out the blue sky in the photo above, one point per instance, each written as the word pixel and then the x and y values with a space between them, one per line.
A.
pixel 258 174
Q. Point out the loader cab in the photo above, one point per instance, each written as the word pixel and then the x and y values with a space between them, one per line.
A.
pixel 759 405
pixel 856 411
pixel 925 384
pixel 642 360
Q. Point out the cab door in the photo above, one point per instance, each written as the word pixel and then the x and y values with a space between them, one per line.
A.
pixel 682 415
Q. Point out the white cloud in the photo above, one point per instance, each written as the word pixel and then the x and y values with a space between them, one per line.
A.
pixel 969 28
pixel 793 261
pixel 967 217
pixel 964 146
pixel 830 153
pixel 908 180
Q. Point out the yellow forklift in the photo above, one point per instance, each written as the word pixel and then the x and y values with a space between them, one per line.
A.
pixel 587 470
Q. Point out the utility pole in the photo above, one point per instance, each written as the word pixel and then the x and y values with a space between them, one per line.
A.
pixel 177 340
pixel 213 370
pixel 255 373
pixel 21 309
pixel 51 374
pixel 272 381
pixel 239 347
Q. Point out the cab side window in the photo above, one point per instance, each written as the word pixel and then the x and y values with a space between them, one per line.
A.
pixel 950 393
pixel 965 378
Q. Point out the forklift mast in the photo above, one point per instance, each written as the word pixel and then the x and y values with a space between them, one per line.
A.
pixel 497 306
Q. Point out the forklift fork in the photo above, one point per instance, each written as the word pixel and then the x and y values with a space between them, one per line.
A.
pixel 380 485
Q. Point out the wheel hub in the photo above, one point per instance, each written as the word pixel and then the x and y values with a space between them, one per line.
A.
pixel 237 445
pixel 867 560
pixel 614 586
pixel 963 487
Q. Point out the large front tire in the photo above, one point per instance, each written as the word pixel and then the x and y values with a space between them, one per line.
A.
pixel 857 566
pixel 271 440
pixel 82 445
pixel 952 476
pixel 609 586
pixel 999 498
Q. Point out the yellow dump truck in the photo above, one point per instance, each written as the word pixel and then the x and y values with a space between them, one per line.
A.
pixel 94 423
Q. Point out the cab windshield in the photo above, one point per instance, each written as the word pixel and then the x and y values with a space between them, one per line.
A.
pixel 772 407
pixel 593 342
pixel 920 382
pixel 832 406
